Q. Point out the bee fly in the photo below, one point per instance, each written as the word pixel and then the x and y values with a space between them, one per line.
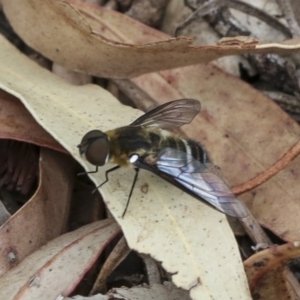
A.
pixel 147 144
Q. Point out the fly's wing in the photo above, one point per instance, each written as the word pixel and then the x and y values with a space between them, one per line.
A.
pixel 197 178
pixel 170 115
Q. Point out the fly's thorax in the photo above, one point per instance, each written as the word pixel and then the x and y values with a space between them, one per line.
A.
pixel 130 140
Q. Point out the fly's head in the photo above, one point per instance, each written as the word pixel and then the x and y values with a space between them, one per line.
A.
pixel 95 147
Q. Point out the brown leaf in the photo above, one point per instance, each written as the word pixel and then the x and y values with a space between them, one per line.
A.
pixel 55 269
pixel 19 166
pixel 266 272
pixel 44 216
pixel 109 44
pixel 16 123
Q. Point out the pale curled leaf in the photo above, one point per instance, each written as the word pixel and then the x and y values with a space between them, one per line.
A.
pixel 184 228
pixel 104 38
pixel 56 268
pixel 186 235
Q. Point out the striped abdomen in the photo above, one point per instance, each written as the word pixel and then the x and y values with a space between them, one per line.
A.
pixel 188 146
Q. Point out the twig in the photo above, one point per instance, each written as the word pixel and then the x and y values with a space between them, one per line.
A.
pixel 111 4
pixel 140 98
pixel 255 232
pixel 246 8
pixel 249 223
pixel 201 11
pixel 291 104
pixel 147 12
pixel 259 14
pixel 270 172
pixel 292 280
pixel 289 14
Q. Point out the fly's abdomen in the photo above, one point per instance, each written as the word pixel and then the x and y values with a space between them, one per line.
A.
pixel 190 147
pixel 197 151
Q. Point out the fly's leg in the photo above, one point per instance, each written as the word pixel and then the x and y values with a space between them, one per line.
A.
pixel 90 172
pixel 131 191
pixel 106 177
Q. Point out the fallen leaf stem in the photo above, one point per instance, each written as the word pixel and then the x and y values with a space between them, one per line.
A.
pixel 269 173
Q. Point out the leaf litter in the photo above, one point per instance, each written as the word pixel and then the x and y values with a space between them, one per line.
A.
pixel 241 157
pixel 140 236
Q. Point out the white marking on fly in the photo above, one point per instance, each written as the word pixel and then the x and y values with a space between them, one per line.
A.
pixel 165 133
pixel 133 158
pixel 107 158
pixel 188 150
pixel 204 156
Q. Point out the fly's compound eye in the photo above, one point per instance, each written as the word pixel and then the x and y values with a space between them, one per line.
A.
pixel 95 146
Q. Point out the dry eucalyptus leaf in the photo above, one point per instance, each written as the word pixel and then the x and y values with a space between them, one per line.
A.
pixel 193 241
pixel 56 268
pixel 267 275
pixel 106 42
pixel 16 123
pixel 43 217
